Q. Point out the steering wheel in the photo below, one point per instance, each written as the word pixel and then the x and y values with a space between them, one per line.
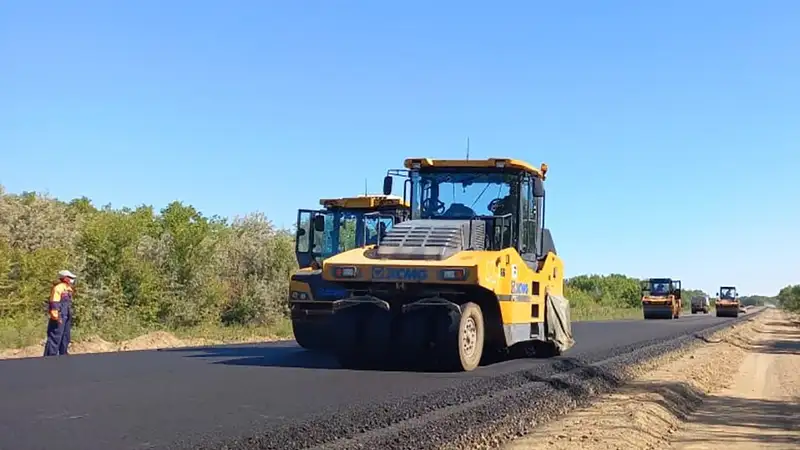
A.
pixel 495 204
pixel 439 209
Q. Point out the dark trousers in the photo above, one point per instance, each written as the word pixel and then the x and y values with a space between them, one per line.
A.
pixel 59 334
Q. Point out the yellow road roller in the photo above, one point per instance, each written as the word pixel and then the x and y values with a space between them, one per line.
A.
pixel 343 224
pixel 661 298
pixel 474 272
pixel 727 303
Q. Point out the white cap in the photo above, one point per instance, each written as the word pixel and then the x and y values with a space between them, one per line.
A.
pixel 66 274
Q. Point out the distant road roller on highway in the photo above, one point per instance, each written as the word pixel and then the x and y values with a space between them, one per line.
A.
pixel 727 303
pixel 474 271
pixel 661 298
pixel 344 224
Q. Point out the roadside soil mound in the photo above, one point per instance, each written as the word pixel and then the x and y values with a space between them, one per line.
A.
pixel 738 389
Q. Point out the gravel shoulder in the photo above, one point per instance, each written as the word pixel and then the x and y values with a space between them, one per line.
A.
pixel 738 388
pixel 761 407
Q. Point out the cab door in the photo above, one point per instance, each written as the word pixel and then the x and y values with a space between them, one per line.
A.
pixel 304 236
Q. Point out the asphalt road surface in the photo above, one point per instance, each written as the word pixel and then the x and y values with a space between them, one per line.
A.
pixel 151 399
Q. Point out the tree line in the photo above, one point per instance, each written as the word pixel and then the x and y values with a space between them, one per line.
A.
pixel 171 268
pixel 176 267
pixel 614 290
pixel 789 298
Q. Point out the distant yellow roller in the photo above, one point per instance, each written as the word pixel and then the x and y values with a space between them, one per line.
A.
pixel 661 298
pixel 727 303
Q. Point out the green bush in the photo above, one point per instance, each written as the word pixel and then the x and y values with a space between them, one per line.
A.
pixel 140 269
pixel 789 298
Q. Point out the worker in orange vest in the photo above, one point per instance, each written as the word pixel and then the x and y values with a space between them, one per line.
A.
pixel 59 326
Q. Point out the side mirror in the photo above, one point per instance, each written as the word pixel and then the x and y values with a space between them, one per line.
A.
pixel 301 232
pixel 717 294
pixel 319 223
pixel 538 188
pixel 387 185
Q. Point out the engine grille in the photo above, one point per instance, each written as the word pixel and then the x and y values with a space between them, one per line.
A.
pixel 431 239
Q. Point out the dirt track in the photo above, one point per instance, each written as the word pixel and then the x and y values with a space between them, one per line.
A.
pixel 740 390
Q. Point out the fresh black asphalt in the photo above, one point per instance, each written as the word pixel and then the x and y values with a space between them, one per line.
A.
pixel 208 396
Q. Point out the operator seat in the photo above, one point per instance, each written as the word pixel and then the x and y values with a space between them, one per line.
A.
pixel 459 210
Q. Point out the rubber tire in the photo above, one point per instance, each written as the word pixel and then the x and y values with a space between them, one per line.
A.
pixel 308 336
pixel 412 348
pixel 471 310
pixel 346 333
pixel 377 329
pixel 450 332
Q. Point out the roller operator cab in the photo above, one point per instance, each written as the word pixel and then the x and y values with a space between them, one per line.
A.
pixel 727 304
pixel 661 298
pixel 474 272
pixel 343 224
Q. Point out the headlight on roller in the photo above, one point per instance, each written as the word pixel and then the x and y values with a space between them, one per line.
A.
pixel 345 272
pixel 453 274
pixel 297 295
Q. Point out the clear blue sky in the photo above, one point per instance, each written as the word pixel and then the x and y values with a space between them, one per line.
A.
pixel 671 128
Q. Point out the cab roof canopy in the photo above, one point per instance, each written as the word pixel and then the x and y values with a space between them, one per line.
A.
pixel 364 202
pixel 419 163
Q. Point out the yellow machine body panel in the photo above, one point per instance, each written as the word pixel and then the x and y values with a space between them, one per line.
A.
pixel 374 201
pixel 658 299
pixel 520 290
pixel 419 163
pixel 300 290
pixel 727 308
pixel 730 303
pixel 727 304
